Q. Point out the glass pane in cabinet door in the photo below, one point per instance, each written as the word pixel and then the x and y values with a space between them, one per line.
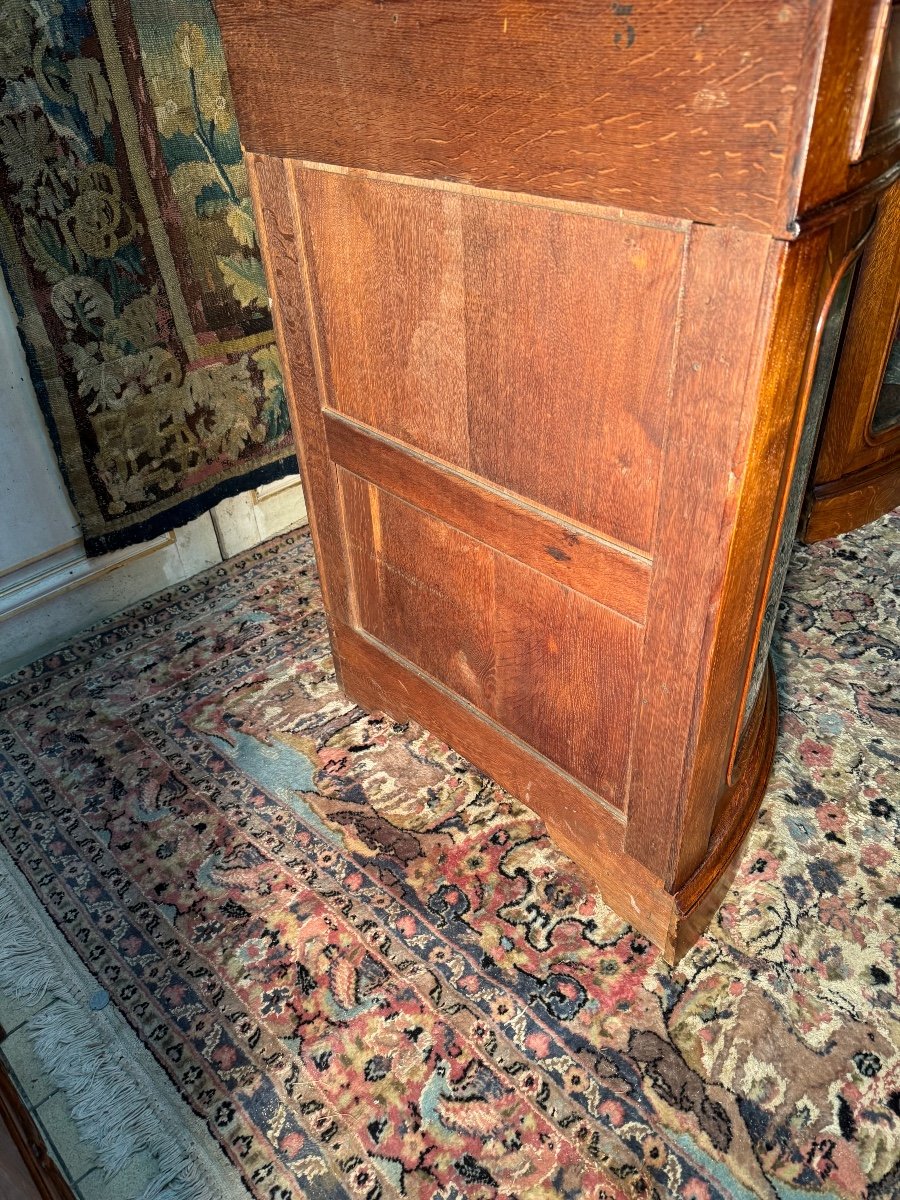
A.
pixel 887 407
pixel 884 125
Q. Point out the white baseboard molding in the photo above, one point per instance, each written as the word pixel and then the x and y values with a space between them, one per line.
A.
pixel 63 570
pixel 255 516
pixel 46 601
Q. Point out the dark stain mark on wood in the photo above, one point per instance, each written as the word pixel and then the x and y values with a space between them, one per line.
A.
pixel 624 37
pixel 559 555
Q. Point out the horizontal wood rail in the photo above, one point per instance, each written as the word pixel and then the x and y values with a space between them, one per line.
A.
pixel 616 577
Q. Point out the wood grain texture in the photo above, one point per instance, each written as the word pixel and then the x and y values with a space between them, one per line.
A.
pixel 878 96
pixel 566 677
pixel 853 500
pixel 599 569
pixel 718 366
pixel 832 169
pixel 424 589
pixel 802 281
pixel 281 244
pixel 477 331
pixel 769 430
pixel 387 267
pixel 554 668
pixel 570 345
pixel 697 109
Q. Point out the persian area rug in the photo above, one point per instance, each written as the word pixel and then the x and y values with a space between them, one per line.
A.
pixel 129 248
pixel 370 974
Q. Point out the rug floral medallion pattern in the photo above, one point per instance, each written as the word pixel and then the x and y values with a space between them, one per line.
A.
pixel 129 247
pixel 370 972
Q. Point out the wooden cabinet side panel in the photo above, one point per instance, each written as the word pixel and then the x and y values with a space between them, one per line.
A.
pixel 388 276
pixel 718 364
pixel 698 110
pixel 567 677
pixel 280 238
pixel 614 704
pixel 583 561
pixel 569 357
pixel 424 589
pixel 489 619
pixel 530 346
pixel 551 666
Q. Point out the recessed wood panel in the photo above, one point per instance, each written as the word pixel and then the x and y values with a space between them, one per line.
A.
pixel 548 664
pixel 602 570
pixel 528 344
pixel 387 268
pixel 570 326
pixel 566 674
pixel 696 109
pixel 422 588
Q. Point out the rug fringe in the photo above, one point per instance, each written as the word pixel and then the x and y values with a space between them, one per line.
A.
pixel 112 1111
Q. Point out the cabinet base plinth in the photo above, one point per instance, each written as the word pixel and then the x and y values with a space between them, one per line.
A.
pixel 846 504
pixel 590 832
pixel 697 900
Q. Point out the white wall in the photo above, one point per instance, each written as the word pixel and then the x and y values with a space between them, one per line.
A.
pixel 49 589
pixel 37 518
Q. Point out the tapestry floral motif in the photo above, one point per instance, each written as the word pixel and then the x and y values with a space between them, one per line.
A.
pixel 138 253
pixel 189 91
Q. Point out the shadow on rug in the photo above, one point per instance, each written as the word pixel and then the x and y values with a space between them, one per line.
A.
pixel 371 974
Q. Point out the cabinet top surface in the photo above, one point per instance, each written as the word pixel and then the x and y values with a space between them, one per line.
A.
pixel 703 110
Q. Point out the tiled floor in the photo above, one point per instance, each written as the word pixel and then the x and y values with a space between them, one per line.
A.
pixel 143 1124
pixel 43 1100
pixel 72 1155
pixel 49 1109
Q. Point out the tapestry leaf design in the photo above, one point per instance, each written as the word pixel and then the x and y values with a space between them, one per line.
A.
pixel 131 254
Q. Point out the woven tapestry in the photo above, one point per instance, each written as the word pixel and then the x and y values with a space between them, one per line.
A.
pixel 129 247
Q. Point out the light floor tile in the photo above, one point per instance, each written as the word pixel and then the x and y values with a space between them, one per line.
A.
pixel 27 1072
pixel 127 1184
pixel 14 1011
pixel 76 1155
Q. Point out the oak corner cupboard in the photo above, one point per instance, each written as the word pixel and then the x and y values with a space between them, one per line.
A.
pixel 560 288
